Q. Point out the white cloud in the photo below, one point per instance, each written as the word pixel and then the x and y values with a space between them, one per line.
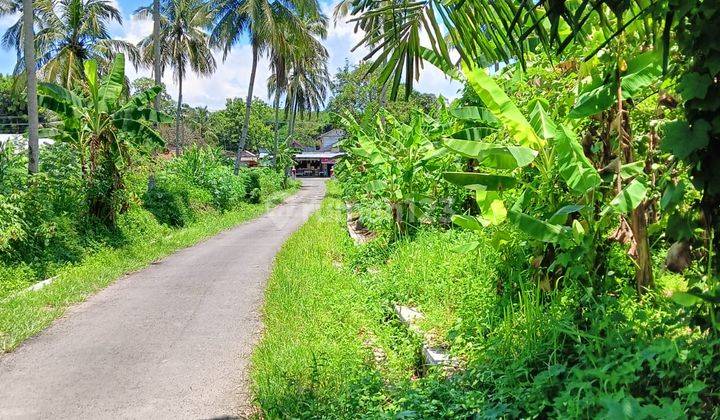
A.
pixel 229 80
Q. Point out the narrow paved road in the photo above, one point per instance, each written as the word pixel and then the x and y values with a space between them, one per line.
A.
pixel 170 341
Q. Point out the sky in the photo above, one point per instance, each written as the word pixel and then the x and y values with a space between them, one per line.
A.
pixel 232 75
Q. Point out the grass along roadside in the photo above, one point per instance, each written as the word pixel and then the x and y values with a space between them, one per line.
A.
pixel 28 312
pixel 328 314
pixel 322 324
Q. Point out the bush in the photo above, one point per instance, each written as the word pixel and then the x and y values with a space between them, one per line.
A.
pixel 169 201
pixel 253 194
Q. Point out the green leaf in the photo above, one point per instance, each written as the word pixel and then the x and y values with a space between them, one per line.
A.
pixel 601 94
pixel 146 114
pixel 575 168
pixel 629 198
pixel 681 140
pixel 578 231
pixel 469 222
pixel 685 299
pixel 694 85
pixel 486 181
pixel 497 101
pixel 112 86
pixel 630 170
pixel 466 247
pixel 376 185
pixel 642 71
pixel 594 99
pixel 541 122
pixel 560 216
pixel 475 114
pixel 496 212
pixel 537 229
pixel 672 196
pixel 493 156
pixel 474 134
pixel 138 129
pixel 438 61
pixel 144 98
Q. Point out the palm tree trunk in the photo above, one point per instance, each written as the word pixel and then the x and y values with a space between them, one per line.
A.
pixel 156 49
pixel 29 52
pixel 293 113
pixel 178 117
pixel 248 104
pixel 276 105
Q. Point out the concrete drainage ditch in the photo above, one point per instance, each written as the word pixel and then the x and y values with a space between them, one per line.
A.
pixel 432 353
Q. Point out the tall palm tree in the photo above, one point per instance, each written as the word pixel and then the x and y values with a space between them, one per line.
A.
pixel 201 122
pixel 70 33
pixel 307 84
pixel 260 20
pixel 183 45
pixel 29 53
pixel 157 60
pixel 21 37
pixel 299 38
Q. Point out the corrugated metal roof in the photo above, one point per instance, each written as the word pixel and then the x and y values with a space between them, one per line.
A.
pixel 318 155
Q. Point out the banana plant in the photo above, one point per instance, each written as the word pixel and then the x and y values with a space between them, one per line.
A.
pixel 397 161
pixel 575 226
pixel 104 127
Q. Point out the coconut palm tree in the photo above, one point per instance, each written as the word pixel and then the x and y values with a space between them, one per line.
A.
pixel 307 84
pixel 183 45
pixel 70 33
pixel 261 21
pixel 157 60
pixel 29 53
pixel 302 35
pixel 21 37
pixel 13 36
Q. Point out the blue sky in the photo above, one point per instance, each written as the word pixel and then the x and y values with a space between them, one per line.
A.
pixel 231 77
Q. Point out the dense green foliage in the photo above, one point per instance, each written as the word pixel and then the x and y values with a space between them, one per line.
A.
pixel 227 124
pixel 46 224
pixel 13 107
pixel 579 276
pixel 332 348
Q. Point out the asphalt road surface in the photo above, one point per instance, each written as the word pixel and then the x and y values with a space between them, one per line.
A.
pixel 170 341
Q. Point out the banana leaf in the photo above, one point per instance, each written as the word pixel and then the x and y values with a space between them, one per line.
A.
pixel 486 181
pixel 491 155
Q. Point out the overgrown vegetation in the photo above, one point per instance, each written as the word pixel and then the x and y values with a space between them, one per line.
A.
pixel 579 275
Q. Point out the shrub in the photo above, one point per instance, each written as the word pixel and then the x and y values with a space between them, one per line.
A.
pixel 169 201
pixel 270 181
pixel 227 190
pixel 253 194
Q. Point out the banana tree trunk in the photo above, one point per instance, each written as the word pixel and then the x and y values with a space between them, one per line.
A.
pixel 248 105
pixel 178 116
pixel 156 50
pixel 638 217
pixel 32 104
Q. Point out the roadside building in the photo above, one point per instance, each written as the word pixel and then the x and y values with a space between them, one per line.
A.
pixel 318 160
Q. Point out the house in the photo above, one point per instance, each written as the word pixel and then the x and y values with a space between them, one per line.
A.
pixel 247 158
pixel 319 160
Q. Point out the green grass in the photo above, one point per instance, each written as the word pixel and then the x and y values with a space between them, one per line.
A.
pixel 324 315
pixel 26 313
pixel 570 353
pixel 314 314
